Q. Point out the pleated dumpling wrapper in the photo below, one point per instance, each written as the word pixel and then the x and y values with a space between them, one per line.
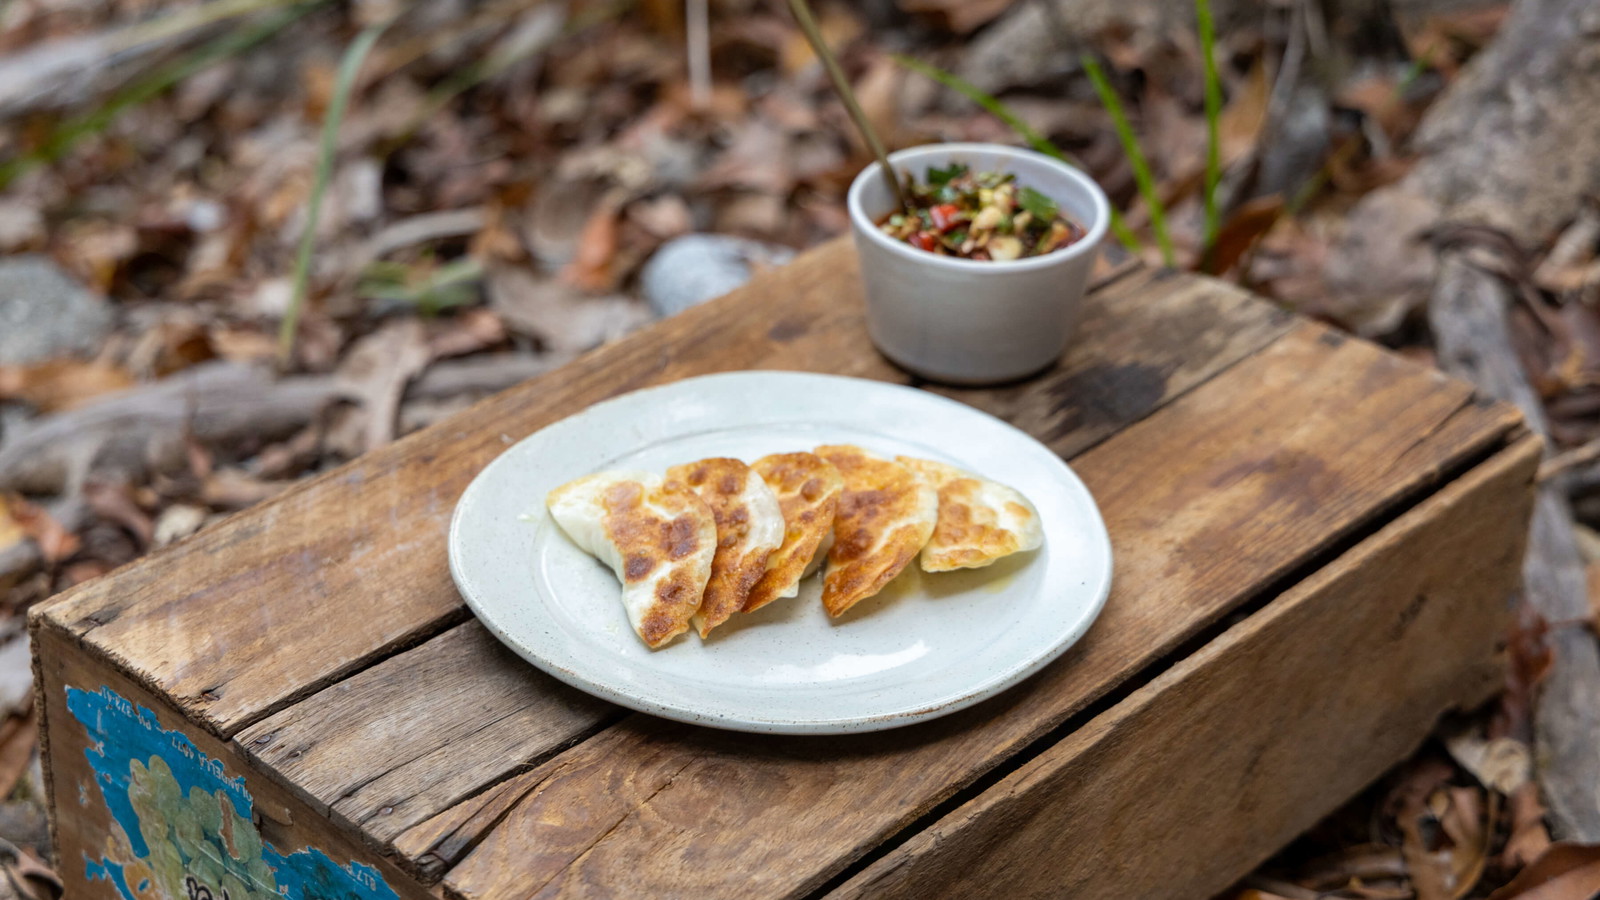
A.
pixel 749 527
pixel 808 489
pixel 659 538
pixel 886 513
pixel 980 521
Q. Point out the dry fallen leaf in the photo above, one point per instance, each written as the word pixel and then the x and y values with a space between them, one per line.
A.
pixel 11 531
pixel 561 317
pixel 1247 225
pixel 1502 764
pixel 1239 126
pixel 231 489
pixel 1429 869
pixel 178 521
pixel 959 16
pixel 55 542
pixel 1566 871
pixel 377 369
pixel 243 344
pixel 1469 823
pixel 16 680
pixel 1530 661
pixel 23 875
pixel 1447 38
pixel 170 346
pixel 84 570
pixel 1395 891
pixel 838 26
pixel 1571 264
pixel 591 268
pixel 113 501
pixel 19 737
pixel 878 91
pixel 469 332
pixel 1529 838
pixel 1592 573
pixel 59 384
pixel 1360 863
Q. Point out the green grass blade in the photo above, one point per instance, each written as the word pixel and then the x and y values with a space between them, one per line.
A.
pixel 1213 92
pixel 1037 141
pixel 354 55
pixel 1130 146
pixel 67 135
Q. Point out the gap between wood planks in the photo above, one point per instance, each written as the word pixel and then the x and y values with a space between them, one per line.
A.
pixel 1253 604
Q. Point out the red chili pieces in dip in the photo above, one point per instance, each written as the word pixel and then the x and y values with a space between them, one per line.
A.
pixel 983 215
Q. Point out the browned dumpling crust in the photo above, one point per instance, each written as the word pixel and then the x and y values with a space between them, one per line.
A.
pixel 980 521
pixel 808 489
pixel 886 514
pixel 659 538
pixel 749 527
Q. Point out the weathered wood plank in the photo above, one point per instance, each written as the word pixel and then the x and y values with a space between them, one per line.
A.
pixel 326 579
pixel 415 733
pixel 1281 718
pixel 1209 500
pixel 1149 338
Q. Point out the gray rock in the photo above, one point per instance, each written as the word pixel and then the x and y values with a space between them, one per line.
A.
pixel 44 313
pixel 690 270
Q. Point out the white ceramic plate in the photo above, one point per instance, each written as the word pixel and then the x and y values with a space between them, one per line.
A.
pixel 926 646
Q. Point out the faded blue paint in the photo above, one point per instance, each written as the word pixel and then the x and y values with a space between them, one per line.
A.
pixel 105 870
pixel 136 761
pixel 120 733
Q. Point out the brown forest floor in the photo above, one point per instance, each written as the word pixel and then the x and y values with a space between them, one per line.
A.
pixel 505 169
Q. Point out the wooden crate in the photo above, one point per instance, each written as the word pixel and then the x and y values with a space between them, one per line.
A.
pixel 1315 544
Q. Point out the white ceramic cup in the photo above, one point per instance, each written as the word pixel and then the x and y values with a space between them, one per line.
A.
pixel 968 321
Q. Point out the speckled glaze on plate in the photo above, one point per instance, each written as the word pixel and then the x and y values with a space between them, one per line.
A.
pixel 926 646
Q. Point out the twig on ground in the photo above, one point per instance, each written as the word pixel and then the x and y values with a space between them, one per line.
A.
pixel 212 402
pixel 698 27
pixel 1567 460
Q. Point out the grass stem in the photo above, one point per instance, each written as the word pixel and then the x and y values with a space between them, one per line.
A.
pixel 349 66
pixel 1213 101
pixel 1141 167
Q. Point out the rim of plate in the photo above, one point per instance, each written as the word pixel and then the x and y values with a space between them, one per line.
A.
pixel 746 721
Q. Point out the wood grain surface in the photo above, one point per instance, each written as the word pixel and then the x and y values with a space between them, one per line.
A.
pixel 1250 739
pixel 421 730
pixel 1209 501
pixel 1147 340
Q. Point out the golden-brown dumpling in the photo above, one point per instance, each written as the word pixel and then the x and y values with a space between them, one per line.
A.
pixel 808 489
pixel 980 521
pixel 658 537
pixel 885 515
pixel 749 527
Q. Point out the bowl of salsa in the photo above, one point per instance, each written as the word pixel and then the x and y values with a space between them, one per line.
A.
pixel 980 277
